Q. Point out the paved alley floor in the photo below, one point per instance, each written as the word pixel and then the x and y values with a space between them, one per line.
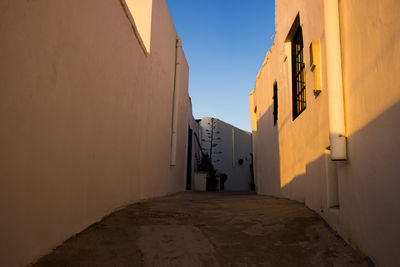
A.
pixel 207 229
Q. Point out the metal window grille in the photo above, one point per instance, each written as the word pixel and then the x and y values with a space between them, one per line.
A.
pixel 275 103
pixel 298 74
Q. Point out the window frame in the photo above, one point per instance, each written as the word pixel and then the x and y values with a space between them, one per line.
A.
pixel 298 73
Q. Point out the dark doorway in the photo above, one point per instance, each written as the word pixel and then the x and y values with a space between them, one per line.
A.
pixel 189 161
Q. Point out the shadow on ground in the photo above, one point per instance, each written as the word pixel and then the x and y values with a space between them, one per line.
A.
pixel 207 229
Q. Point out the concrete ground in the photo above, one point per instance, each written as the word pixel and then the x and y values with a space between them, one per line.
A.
pixel 207 229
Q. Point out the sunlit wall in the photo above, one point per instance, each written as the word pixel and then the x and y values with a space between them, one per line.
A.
pixel 357 197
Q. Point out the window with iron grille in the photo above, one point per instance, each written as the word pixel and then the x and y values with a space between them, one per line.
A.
pixel 275 103
pixel 298 74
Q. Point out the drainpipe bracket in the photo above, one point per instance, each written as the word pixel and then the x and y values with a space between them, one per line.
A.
pixel 338 147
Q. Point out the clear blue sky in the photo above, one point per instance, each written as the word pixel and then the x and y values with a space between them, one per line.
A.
pixel 225 42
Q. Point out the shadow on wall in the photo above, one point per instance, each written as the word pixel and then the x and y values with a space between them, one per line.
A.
pixel 373 140
pixel 272 181
pixel 366 190
pixel 374 171
pixel 308 186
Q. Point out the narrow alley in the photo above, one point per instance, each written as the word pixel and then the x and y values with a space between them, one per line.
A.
pixel 207 229
pixel 128 127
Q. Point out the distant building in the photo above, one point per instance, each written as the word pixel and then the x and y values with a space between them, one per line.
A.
pixel 325 115
pixel 94 115
pixel 230 150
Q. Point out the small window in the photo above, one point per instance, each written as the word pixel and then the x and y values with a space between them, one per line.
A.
pixel 298 74
pixel 275 103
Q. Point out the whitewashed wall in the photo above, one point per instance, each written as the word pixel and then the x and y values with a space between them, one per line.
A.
pixel 228 151
pixel 86 117
pixel 291 157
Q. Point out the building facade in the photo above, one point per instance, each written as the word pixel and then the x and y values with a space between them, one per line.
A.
pixel 231 152
pixel 325 115
pixel 94 115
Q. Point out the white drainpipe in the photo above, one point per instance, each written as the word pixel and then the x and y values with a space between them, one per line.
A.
pixel 337 130
pixel 176 101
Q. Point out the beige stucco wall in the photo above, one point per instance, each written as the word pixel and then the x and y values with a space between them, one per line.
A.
pixel 86 118
pixel 290 158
